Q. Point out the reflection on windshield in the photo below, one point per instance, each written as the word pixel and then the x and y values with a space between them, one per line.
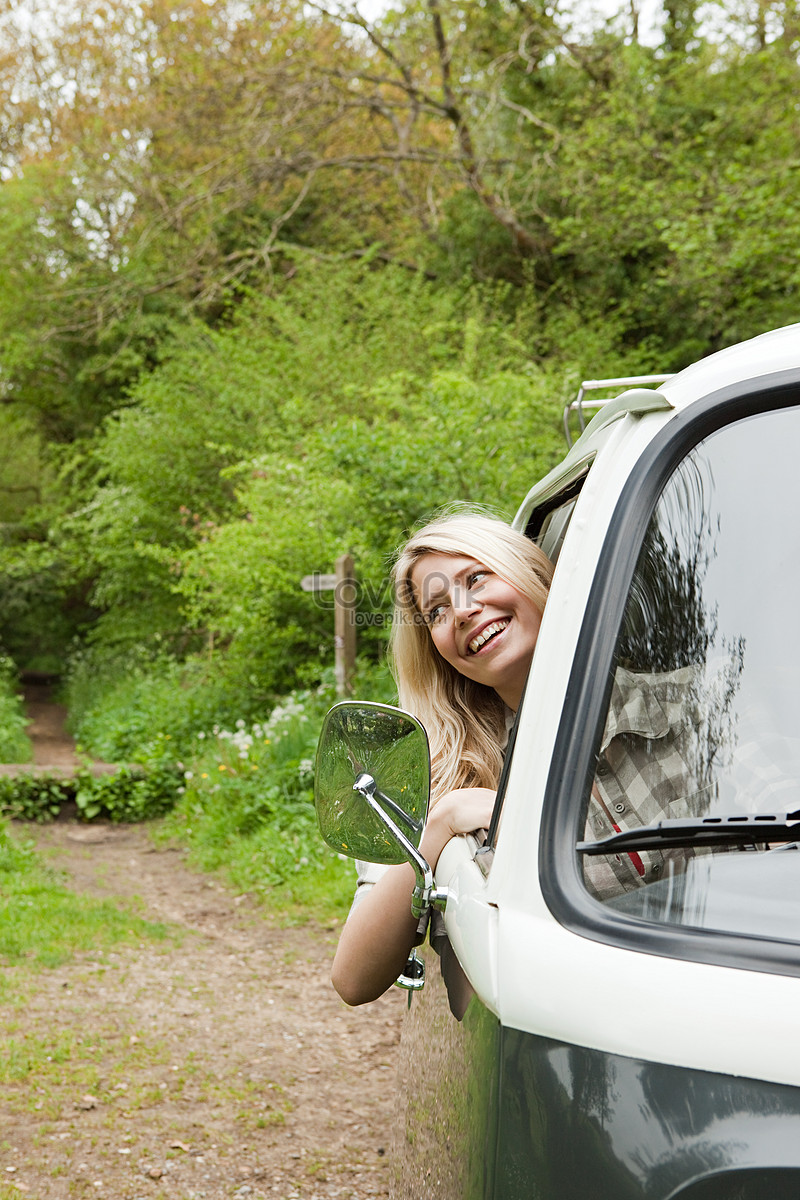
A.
pixel 742 892
pixel 705 704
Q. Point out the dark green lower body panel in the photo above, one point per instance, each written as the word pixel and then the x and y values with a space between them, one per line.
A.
pixel 576 1123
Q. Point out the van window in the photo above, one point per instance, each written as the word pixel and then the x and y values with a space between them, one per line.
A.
pixel 704 711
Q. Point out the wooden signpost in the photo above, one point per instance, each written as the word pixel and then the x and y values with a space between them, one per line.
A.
pixel 343 584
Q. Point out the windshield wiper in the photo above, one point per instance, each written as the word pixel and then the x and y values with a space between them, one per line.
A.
pixel 701 831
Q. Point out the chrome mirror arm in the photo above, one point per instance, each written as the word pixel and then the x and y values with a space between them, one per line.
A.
pixel 425 893
pixel 415 826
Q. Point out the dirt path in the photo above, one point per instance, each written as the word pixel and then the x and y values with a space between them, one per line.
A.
pixel 220 1063
pixel 52 745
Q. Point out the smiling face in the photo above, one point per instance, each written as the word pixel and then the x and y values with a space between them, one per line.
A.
pixel 479 623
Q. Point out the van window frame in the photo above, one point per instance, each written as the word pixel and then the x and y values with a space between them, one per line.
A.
pixel 572 766
pixel 568 493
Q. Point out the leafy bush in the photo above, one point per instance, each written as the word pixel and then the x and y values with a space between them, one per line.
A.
pixel 131 793
pixel 247 805
pixel 120 701
pixel 28 797
pixel 14 744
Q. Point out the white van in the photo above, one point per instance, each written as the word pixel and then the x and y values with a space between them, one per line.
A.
pixel 622 1043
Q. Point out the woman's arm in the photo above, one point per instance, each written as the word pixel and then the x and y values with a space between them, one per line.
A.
pixel 379 933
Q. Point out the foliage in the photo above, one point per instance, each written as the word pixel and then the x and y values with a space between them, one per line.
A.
pixel 21 467
pixel 14 744
pixel 249 427
pixel 198 284
pixel 669 191
pixel 248 808
pixel 153 156
pixel 243 799
pixel 357 486
pixel 137 792
pixel 26 796
pixel 132 707
pixel 43 605
pixel 157 163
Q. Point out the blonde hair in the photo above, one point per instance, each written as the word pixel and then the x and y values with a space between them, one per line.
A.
pixel 465 720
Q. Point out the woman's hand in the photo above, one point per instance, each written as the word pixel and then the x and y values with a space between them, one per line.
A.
pixel 461 811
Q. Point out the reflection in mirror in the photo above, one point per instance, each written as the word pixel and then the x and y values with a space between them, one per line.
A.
pixel 391 747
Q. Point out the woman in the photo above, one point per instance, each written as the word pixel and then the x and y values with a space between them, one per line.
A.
pixel 470 592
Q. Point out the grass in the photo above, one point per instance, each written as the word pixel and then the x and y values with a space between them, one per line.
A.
pixel 96 1064
pixel 107 1067
pixel 53 1070
pixel 15 746
pixel 43 924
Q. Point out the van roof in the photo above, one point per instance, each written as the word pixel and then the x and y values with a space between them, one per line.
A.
pixel 768 354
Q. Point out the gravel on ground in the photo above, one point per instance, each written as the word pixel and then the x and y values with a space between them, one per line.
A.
pixel 216 1063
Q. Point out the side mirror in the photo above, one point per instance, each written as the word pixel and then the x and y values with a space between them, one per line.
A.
pixel 372 787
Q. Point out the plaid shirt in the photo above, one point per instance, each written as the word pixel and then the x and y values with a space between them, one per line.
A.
pixel 651 767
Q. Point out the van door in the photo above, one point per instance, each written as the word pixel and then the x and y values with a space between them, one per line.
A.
pixel 613 1020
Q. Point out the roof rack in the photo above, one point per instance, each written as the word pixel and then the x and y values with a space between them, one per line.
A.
pixel 580 405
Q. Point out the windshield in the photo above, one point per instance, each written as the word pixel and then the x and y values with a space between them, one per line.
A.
pixel 704 712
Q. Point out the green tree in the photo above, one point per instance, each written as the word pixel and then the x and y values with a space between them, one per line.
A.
pixel 359 485
pixel 290 366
